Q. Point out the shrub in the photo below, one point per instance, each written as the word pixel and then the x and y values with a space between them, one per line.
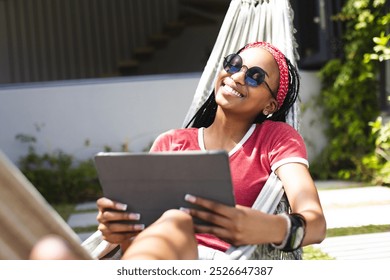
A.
pixel 377 164
pixel 349 94
pixel 58 176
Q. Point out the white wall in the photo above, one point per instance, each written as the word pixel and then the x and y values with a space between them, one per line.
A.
pixel 107 112
pixel 112 112
pixel 311 124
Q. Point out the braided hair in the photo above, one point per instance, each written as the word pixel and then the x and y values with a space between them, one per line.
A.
pixel 205 115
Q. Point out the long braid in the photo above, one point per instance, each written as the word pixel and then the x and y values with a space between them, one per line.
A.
pixel 292 93
pixel 205 115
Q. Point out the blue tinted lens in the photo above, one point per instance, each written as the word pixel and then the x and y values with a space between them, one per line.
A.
pixel 232 63
pixel 251 82
pixel 254 76
pixel 234 69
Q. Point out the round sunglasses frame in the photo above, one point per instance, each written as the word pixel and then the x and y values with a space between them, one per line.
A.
pixel 233 64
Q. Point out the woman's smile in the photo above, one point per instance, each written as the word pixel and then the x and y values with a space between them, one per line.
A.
pixel 232 91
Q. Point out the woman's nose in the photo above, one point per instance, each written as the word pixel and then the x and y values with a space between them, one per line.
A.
pixel 239 77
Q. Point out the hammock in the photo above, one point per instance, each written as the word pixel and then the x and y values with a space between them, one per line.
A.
pixel 248 21
pixel 26 217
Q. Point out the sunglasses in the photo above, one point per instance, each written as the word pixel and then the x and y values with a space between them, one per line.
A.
pixel 254 76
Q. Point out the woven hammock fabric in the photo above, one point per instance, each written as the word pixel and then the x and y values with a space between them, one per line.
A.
pixel 249 21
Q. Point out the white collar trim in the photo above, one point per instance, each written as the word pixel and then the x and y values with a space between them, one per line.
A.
pixel 236 148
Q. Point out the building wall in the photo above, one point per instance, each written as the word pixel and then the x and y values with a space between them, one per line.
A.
pixel 47 40
pixel 311 124
pixel 106 112
pixel 111 112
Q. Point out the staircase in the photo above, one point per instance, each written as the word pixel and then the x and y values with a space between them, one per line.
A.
pixel 182 45
pixel 64 40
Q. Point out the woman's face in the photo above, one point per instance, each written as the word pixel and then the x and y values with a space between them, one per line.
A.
pixel 233 95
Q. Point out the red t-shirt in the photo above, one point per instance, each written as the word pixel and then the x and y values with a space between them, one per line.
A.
pixel 265 147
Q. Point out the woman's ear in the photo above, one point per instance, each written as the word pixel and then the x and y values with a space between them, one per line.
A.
pixel 271 107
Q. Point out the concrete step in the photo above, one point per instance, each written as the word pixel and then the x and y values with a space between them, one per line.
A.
pixel 357 216
pixel 86 219
pixel 353 207
pixel 86 206
pixel 357 247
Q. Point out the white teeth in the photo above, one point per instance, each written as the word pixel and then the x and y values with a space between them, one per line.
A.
pixel 233 91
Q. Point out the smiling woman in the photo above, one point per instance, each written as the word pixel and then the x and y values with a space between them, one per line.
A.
pixel 278 70
pixel 243 117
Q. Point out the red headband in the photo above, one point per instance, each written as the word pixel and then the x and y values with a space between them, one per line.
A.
pixel 283 68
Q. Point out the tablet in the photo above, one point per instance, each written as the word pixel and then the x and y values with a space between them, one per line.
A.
pixel 151 183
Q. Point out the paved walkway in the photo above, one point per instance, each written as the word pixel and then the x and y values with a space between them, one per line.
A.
pixel 345 207
pixel 354 207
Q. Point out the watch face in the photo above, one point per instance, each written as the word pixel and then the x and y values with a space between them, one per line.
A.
pixel 299 234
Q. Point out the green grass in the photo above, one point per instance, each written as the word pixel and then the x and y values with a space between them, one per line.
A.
pixel 85 229
pixel 65 210
pixel 357 230
pixel 311 253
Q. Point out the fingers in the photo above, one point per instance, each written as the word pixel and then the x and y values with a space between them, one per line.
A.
pixel 119 232
pixel 109 215
pixel 225 222
pixel 110 211
pixel 208 204
pixel 116 225
pixel 120 228
pixel 117 236
pixel 220 232
pixel 105 203
pixel 218 213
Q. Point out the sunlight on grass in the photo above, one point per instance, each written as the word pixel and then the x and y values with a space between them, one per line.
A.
pixel 357 230
pixel 311 253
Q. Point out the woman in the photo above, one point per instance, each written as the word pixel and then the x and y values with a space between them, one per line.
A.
pixel 245 115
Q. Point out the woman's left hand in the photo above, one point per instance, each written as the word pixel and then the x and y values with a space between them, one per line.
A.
pixel 235 225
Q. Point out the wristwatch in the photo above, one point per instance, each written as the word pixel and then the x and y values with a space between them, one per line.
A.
pixel 296 229
pixel 297 232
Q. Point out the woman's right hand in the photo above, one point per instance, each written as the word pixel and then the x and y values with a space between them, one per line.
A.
pixel 116 225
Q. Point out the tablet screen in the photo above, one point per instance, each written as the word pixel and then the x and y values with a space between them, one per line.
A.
pixel 151 183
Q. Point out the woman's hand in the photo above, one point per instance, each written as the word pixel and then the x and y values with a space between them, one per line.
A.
pixel 116 225
pixel 238 225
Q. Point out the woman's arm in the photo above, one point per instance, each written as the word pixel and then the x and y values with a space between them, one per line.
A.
pixel 242 225
pixel 303 197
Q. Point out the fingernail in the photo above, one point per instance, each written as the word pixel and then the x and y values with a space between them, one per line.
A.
pixel 121 206
pixel 186 210
pixel 139 227
pixel 190 198
pixel 134 216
